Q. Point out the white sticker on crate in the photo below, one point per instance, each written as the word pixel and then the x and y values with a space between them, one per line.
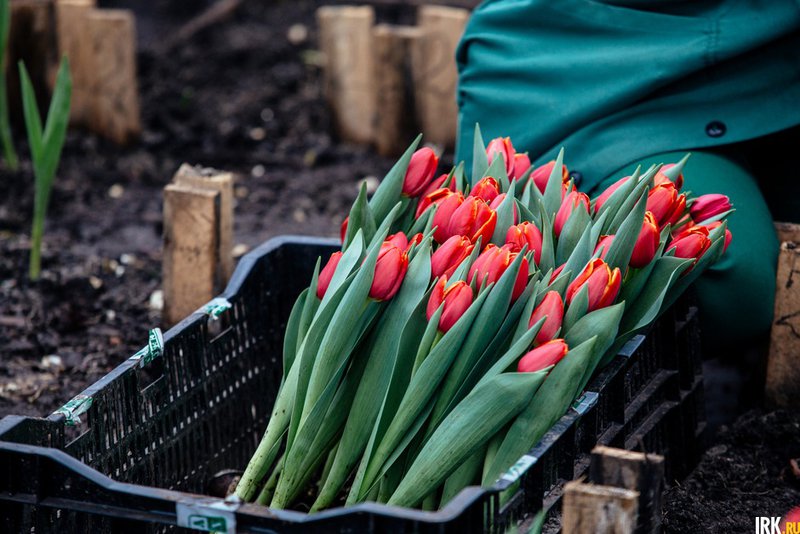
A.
pixel 584 402
pixel 518 468
pixel 211 516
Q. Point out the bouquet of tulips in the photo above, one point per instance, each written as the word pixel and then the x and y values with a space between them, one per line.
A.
pixel 461 319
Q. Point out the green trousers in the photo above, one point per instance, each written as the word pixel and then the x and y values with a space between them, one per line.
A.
pixel 736 295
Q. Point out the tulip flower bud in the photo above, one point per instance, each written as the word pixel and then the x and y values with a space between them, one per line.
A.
pixel 661 178
pixel 343 228
pixel 603 283
pixel 557 272
pixel 551 307
pixel 728 234
pixel 432 198
pixel 574 200
pixel 499 200
pixel 473 218
pixel 416 239
pixel 389 272
pixel 666 204
pixel 457 299
pixel 447 204
pixel 691 244
pixel 502 146
pixel 605 243
pixel 420 171
pixel 439 183
pixel 706 206
pixel 521 165
pixel 399 240
pixel 326 274
pixel 449 256
pixel 543 356
pixel 647 243
pixel 605 195
pixel 491 265
pixel 525 233
pixel 541 175
pixel 486 189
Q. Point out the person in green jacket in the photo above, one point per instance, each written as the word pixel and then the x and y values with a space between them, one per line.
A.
pixel 636 82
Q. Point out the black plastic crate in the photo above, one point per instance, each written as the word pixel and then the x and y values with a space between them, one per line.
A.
pixel 154 437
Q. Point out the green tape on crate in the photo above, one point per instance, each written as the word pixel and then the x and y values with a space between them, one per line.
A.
pixel 153 349
pixel 216 307
pixel 584 402
pixel 72 410
pixel 516 470
pixel 210 515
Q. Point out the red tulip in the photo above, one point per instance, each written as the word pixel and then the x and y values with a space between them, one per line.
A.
pixel 486 189
pixel 399 240
pixel 439 183
pixel 420 171
pixel 389 272
pixel 473 219
pixel 416 239
pixel 502 146
pixel 692 243
pixel 521 164
pixel 666 204
pixel 603 284
pixel 447 204
pixel 604 242
pixel 605 195
pixel 457 299
pixel 573 201
pixel 326 274
pixel 499 200
pixel 661 178
pixel 525 233
pixel 491 265
pixel 728 234
pixel 343 228
pixel 647 243
pixel 706 206
pixel 541 175
pixel 543 356
pixel 553 308
pixel 434 197
pixel 557 272
pixel 450 255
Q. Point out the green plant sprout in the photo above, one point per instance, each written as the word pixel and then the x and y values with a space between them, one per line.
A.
pixel 5 128
pixel 45 149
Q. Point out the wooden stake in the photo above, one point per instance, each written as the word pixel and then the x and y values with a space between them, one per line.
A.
pixel 435 72
pixel 395 125
pixel 788 232
pixel 783 366
pixel 345 38
pixel 191 245
pixel 590 509
pixel 222 182
pixel 114 112
pixel 643 473
pixel 74 42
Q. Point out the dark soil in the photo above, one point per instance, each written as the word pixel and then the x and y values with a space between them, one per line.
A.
pixel 744 475
pixel 238 96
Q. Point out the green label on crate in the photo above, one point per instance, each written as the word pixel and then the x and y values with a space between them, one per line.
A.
pixel 74 408
pixel 153 349
pixel 517 470
pixel 210 515
pixel 216 307
pixel 584 402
